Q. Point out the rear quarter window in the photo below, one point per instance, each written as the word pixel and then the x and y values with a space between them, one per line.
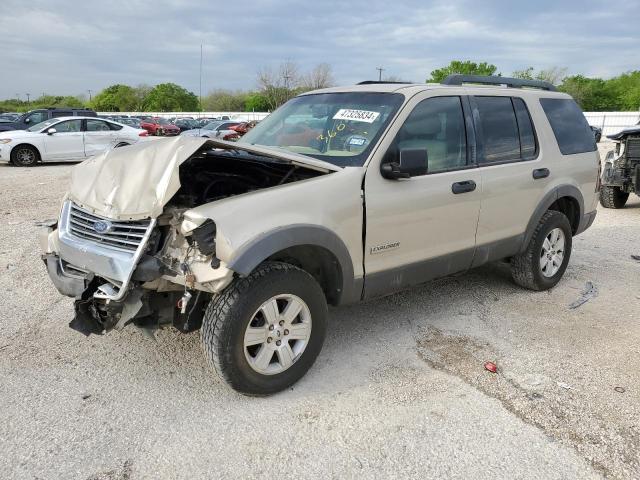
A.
pixel 569 125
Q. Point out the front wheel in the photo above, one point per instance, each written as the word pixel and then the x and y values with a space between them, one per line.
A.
pixel 613 197
pixel 265 331
pixel 543 263
pixel 24 156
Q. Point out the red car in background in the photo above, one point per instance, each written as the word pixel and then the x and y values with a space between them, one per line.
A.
pixel 243 127
pixel 160 126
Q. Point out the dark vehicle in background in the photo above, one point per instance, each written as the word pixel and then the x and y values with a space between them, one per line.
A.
pixel 34 117
pixel 621 173
pixel 160 126
pixel 9 117
pixel 185 124
pixel 597 133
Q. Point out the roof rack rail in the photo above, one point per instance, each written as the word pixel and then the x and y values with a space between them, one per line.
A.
pixel 493 80
pixel 380 82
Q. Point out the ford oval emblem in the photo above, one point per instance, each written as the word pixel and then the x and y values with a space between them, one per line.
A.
pixel 102 226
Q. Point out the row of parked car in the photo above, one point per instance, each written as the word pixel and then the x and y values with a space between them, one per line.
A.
pixel 220 127
pixel 66 134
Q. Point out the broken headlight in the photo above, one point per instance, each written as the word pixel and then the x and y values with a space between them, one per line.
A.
pixel 205 237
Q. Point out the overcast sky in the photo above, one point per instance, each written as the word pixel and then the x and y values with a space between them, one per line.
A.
pixel 70 46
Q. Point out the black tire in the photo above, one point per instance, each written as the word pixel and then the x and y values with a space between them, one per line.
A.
pixel 525 268
pixel 25 156
pixel 613 197
pixel 229 313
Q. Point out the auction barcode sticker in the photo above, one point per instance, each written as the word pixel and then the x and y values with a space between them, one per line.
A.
pixel 356 115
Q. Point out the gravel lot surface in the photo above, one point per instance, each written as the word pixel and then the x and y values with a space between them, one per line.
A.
pixel 399 390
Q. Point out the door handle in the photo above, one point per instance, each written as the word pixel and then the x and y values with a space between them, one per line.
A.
pixel 463 187
pixel 541 173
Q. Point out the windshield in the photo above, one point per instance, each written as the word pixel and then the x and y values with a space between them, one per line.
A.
pixel 339 128
pixel 42 125
pixel 163 121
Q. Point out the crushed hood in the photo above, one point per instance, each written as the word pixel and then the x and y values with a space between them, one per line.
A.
pixel 136 182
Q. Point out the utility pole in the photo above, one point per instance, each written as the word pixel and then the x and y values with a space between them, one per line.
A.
pixel 200 78
pixel 286 77
pixel 17 96
pixel 89 94
pixel 28 95
pixel 380 70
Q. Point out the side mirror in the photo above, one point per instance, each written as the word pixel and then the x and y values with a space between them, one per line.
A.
pixel 27 120
pixel 51 131
pixel 413 163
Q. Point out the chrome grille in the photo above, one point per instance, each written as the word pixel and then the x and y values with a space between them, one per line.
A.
pixel 123 235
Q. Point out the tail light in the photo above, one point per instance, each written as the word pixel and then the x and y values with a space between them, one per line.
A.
pixel 143 134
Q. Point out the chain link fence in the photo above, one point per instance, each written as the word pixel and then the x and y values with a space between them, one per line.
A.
pixel 612 122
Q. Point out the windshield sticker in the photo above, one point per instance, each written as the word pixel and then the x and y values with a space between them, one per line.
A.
pixel 356 115
pixel 359 141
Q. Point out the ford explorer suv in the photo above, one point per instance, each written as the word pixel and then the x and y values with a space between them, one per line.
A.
pixel 34 117
pixel 339 196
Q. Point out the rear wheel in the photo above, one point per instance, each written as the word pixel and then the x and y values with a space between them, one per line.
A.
pixel 265 331
pixel 24 156
pixel 613 197
pixel 543 263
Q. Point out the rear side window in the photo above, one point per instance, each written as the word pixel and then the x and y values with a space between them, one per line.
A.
pixel 113 126
pixel 525 127
pixel 501 140
pixel 569 126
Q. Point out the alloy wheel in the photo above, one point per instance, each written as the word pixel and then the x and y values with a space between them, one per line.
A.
pixel 277 334
pixel 552 253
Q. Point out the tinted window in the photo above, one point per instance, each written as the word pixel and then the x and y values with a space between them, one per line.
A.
pixel 63 113
pixel 437 125
pixel 113 126
pixel 499 128
pixel 525 127
pixel 569 126
pixel 97 126
pixel 68 126
pixel 37 117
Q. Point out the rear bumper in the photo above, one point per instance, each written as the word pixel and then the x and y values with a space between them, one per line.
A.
pixel 586 221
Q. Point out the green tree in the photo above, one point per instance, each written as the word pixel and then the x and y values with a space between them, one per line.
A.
pixel 466 67
pixel 224 101
pixel 116 98
pixel 592 94
pixel 626 89
pixel 169 97
pixel 553 75
pixel 256 102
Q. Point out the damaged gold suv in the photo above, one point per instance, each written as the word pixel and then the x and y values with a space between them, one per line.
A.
pixel 339 196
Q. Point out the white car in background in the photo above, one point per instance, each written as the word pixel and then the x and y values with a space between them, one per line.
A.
pixel 65 139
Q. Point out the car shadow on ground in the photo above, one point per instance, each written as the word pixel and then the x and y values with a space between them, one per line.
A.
pixel 391 326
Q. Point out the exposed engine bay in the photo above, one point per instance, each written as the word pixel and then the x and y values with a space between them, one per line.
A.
pixel 172 275
pixel 213 175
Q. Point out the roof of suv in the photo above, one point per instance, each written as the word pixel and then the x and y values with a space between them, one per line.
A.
pixel 410 89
